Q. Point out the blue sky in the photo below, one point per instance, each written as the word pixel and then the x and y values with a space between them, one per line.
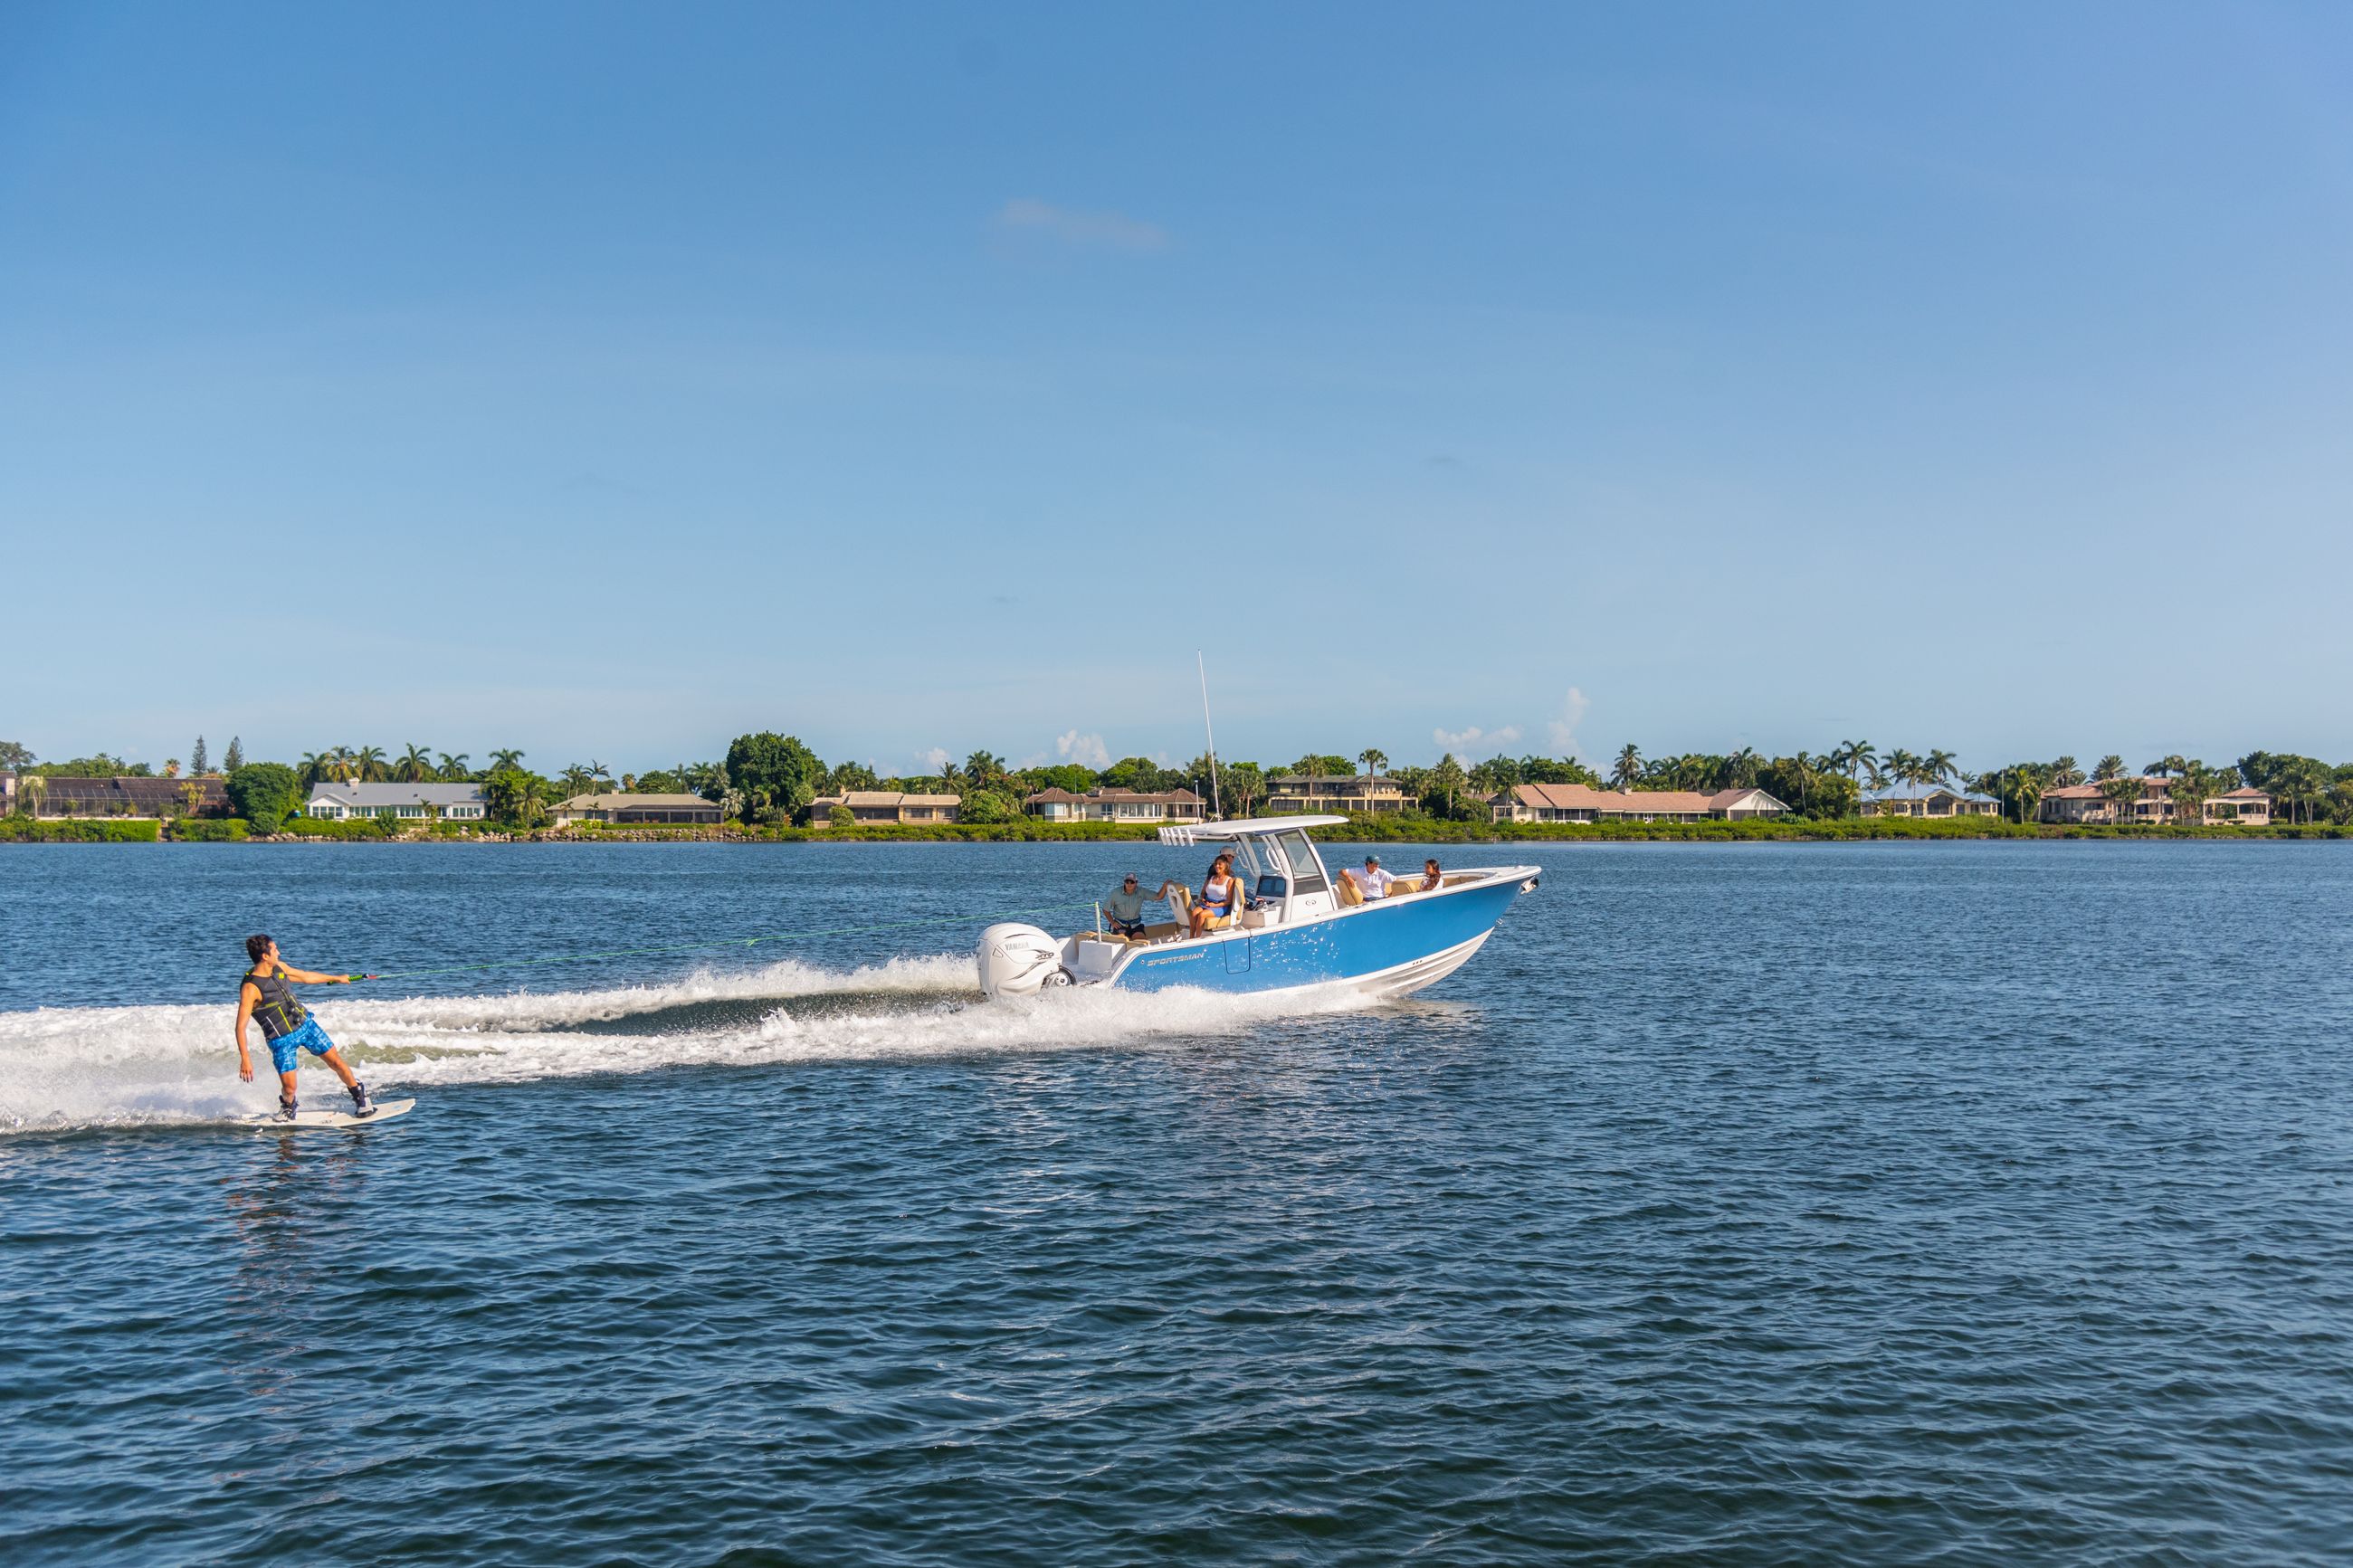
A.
pixel 608 381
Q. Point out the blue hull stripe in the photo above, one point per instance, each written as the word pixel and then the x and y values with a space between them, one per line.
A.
pixel 1380 936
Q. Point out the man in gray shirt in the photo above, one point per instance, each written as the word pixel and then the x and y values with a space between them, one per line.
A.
pixel 1123 909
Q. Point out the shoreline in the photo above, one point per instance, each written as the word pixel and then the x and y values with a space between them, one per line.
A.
pixel 1836 830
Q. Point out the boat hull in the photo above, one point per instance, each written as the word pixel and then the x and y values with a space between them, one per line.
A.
pixel 1383 949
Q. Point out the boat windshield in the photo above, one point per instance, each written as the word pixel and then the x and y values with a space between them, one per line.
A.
pixel 1306 874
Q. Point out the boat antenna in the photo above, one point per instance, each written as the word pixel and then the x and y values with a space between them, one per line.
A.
pixel 1216 802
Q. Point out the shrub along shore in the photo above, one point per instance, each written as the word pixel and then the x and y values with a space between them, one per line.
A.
pixel 1407 829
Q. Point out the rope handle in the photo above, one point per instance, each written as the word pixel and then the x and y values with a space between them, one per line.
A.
pixel 707 946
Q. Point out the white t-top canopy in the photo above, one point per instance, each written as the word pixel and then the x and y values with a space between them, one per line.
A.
pixel 1226 832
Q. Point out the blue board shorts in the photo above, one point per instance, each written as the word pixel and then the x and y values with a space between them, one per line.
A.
pixel 285 1050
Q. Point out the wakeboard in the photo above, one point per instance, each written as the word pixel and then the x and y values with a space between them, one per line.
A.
pixel 307 1121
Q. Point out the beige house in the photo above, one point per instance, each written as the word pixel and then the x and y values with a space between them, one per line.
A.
pixel 1357 794
pixel 2246 808
pixel 886 808
pixel 1936 802
pixel 1116 805
pixel 2153 807
pixel 636 808
pixel 1582 803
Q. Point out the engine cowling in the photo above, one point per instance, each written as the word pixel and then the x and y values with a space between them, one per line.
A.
pixel 1017 960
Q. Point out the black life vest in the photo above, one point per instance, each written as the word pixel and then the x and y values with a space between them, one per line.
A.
pixel 278 1012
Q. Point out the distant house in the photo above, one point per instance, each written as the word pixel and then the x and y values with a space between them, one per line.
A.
pixel 122 797
pixel 886 808
pixel 402 802
pixel 2243 807
pixel 1582 803
pixel 2153 807
pixel 1357 794
pixel 636 808
pixel 1116 805
pixel 1936 802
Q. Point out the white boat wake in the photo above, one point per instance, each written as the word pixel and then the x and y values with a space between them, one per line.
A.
pixel 67 1067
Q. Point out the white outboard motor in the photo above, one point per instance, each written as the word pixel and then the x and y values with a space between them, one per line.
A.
pixel 1017 959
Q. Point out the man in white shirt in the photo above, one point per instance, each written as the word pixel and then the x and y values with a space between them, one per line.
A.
pixel 1373 879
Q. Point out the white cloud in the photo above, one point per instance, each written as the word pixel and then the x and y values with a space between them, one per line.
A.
pixel 1475 740
pixel 935 761
pixel 1027 216
pixel 1563 729
pixel 1087 751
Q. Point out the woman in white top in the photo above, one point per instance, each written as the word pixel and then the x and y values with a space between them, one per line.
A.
pixel 1219 894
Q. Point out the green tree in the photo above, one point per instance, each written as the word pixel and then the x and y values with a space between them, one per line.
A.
pixel 2122 789
pixel 2111 766
pixel 776 775
pixel 1245 788
pixel 199 764
pixel 1134 773
pixel 840 816
pixel 985 769
pixel 1627 770
pixel 508 759
pixel 1448 780
pixel 366 765
pixel 234 758
pixel 576 779
pixel 452 769
pixel 1374 759
pixel 264 794
pixel 987 806
pixel 1056 775
pixel 2063 774
pixel 1556 770
pixel 1858 761
pixel 415 766
pixel 514 799
pixel 14 756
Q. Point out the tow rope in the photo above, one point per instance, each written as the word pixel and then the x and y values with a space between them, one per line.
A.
pixel 731 941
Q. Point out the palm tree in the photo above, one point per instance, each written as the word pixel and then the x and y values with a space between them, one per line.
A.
pixel 1310 766
pixel 415 764
pixel 501 761
pixel 1374 759
pixel 2122 791
pixel 35 788
pixel 1627 770
pixel 1901 767
pixel 315 767
pixel 1449 777
pixel 367 764
pixel 452 769
pixel 1859 760
pixel 2111 766
pixel 1938 768
pixel 2065 774
pixel 1740 769
pixel 1801 768
pixel 597 770
pixel 984 768
pixel 577 778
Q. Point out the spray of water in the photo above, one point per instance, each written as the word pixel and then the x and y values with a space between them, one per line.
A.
pixel 62 1067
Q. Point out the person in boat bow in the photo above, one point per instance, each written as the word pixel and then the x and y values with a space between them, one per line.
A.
pixel 1220 892
pixel 1372 880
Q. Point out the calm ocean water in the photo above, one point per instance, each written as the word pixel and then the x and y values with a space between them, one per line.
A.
pixel 1964 1204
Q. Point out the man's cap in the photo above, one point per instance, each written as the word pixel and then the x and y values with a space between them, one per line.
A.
pixel 1372 859
pixel 1131 876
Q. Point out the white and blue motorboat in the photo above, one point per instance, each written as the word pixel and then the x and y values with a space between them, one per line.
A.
pixel 1297 930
